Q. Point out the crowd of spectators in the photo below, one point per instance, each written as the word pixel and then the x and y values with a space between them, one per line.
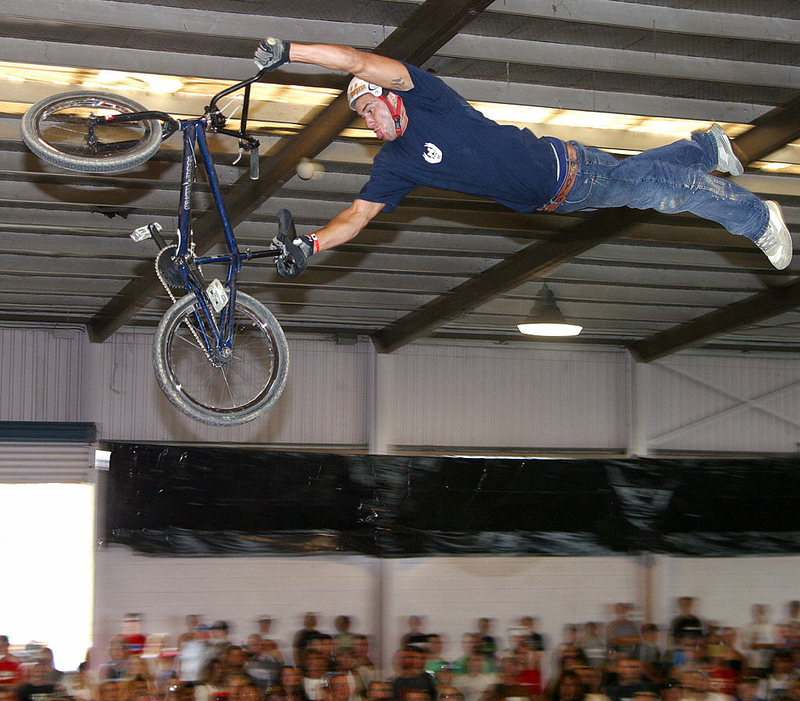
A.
pixel 620 660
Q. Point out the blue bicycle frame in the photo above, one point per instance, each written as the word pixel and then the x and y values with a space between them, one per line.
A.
pixel 217 338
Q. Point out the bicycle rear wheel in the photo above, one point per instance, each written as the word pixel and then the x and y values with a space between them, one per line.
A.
pixel 59 130
pixel 235 392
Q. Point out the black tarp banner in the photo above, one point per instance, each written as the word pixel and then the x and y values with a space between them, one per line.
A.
pixel 176 500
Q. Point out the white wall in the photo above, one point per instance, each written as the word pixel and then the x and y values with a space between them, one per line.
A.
pixel 237 589
pixel 449 592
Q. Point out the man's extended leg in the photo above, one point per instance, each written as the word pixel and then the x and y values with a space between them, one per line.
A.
pixel 675 178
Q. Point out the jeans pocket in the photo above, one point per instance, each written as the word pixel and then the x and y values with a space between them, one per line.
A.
pixel 579 194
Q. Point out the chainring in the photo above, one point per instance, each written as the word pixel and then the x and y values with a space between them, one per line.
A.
pixel 168 272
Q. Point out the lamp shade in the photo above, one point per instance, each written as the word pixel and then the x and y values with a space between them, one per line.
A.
pixel 546 319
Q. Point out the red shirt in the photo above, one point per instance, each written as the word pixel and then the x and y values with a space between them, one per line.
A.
pixel 10 672
pixel 531 679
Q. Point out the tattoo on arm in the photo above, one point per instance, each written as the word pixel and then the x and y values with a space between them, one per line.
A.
pixel 399 83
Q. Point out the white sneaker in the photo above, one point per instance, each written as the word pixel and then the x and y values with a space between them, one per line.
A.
pixel 727 161
pixel 776 241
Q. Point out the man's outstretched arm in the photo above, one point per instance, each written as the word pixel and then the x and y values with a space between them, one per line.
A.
pixel 347 224
pixel 380 70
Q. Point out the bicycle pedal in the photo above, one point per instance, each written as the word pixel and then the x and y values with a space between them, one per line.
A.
pixel 145 232
pixel 217 296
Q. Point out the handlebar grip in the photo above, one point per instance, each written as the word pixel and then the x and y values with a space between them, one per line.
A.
pixel 286 224
pixel 254 165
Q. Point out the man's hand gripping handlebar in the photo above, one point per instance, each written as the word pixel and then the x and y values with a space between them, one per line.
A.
pixel 271 53
pixel 294 250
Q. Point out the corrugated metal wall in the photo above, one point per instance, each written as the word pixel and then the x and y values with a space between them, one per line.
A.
pixel 736 404
pixel 46 462
pixel 545 399
pixel 510 398
pixel 41 374
pixel 324 403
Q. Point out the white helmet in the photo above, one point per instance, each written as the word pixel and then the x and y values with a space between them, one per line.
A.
pixel 359 87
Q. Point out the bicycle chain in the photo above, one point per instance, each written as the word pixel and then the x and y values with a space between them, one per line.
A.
pixel 174 299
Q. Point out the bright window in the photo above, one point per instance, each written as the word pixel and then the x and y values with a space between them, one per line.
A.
pixel 46 550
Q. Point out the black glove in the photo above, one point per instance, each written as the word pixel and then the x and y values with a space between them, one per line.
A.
pixel 292 260
pixel 271 53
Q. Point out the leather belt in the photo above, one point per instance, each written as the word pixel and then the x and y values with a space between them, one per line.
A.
pixel 569 180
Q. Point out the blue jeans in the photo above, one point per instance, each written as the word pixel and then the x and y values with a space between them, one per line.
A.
pixel 669 179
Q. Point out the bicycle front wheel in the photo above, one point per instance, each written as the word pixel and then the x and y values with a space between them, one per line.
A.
pixel 236 391
pixel 60 129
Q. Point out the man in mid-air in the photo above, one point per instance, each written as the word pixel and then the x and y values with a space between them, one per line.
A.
pixel 434 137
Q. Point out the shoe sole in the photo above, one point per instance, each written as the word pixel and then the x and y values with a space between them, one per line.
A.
pixel 731 163
pixel 781 233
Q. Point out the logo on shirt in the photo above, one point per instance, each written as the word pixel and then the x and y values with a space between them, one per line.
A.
pixel 432 153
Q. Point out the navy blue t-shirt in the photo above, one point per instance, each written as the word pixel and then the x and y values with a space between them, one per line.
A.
pixel 450 145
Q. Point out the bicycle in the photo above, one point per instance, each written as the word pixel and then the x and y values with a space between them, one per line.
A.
pixel 220 356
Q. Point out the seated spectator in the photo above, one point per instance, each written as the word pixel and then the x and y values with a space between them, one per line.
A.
pixel 53 675
pixel 695 687
pixel 629 680
pixel 340 687
pixel 138 689
pixel 449 693
pixel 118 660
pixel 475 682
pixel 508 685
pixel 132 633
pixel 412 675
pixel 433 656
pixel 469 644
pixel 649 653
pixel 363 665
pixel 780 675
pixel 487 644
pixel 722 677
pixel 314 676
pixel 747 689
pixel 109 690
pixel 759 640
pixel 568 687
pixel 78 684
pixel 263 666
pixel 592 679
pixel 379 690
pixel 165 674
pixel 793 691
pixel 10 666
pixel 247 692
pixel 531 675
pixel 322 644
pixel 415 635
pixel 38 685
pixel 303 637
pixel 235 660
pixel 138 668
pixel 345 662
pixel 621 633
pixel 344 637
pixel 291 685
pixel 211 683
pixel 593 645
pixel 537 641
pixel 686 624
